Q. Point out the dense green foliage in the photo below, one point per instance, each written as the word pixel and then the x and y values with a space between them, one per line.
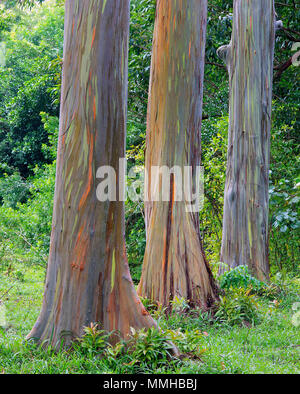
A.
pixel 29 111
pixel 240 277
pixel 28 85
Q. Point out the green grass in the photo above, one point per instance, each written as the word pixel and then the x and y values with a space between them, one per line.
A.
pixel 272 346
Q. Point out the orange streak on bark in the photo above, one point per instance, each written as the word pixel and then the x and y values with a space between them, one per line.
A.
pixel 94 34
pixel 80 249
pixel 74 263
pixel 83 255
pixel 79 236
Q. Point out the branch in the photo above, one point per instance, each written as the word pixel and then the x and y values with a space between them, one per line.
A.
pixel 215 64
pixel 282 67
pixel 289 36
pixel 291 31
pixel 284 5
pixel 205 117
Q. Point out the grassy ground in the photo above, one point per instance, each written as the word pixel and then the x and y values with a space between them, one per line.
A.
pixel 272 346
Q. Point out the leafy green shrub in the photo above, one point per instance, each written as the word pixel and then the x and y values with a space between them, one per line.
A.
pixel 151 306
pixel 188 341
pixel 238 307
pixel 150 347
pixel 94 341
pixel 143 350
pixel 179 305
pixel 180 316
pixel 271 292
pixel 284 289
pixel 240 277
pixel 51 126
pixel 27 86
pixel 25 230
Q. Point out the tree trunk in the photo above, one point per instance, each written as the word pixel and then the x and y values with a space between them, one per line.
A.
pixel 174 262
pixel 88 278
pixel 249 58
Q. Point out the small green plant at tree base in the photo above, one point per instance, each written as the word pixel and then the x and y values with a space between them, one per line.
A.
pixel 238 307
pixel 179 305
pixel 151 347
pixel 146 348
pixel 94 341
pixel 143 350
pixel 240 277
pixel 188 341
pixel 150 305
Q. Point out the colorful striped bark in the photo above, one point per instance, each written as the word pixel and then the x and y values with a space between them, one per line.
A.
pixel 249 58
pixel 174 262
pixel 88 278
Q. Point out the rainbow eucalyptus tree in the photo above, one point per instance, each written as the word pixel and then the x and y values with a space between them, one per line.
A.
pixel 249 58
pixel 174 262
pixel 88 279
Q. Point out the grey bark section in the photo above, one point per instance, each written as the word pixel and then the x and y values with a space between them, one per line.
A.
pixel 249 59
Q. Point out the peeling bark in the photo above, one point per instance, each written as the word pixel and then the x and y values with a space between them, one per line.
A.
pixel 88 278
pixel 249 59
pixel 174 262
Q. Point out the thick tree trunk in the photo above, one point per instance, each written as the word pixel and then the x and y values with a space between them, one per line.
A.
pixel 88 278
pixel 249 58
pixel 174 262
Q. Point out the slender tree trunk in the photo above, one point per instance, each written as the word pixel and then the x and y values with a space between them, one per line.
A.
pixel 249 58
pixel 174 262
pixel 88 278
